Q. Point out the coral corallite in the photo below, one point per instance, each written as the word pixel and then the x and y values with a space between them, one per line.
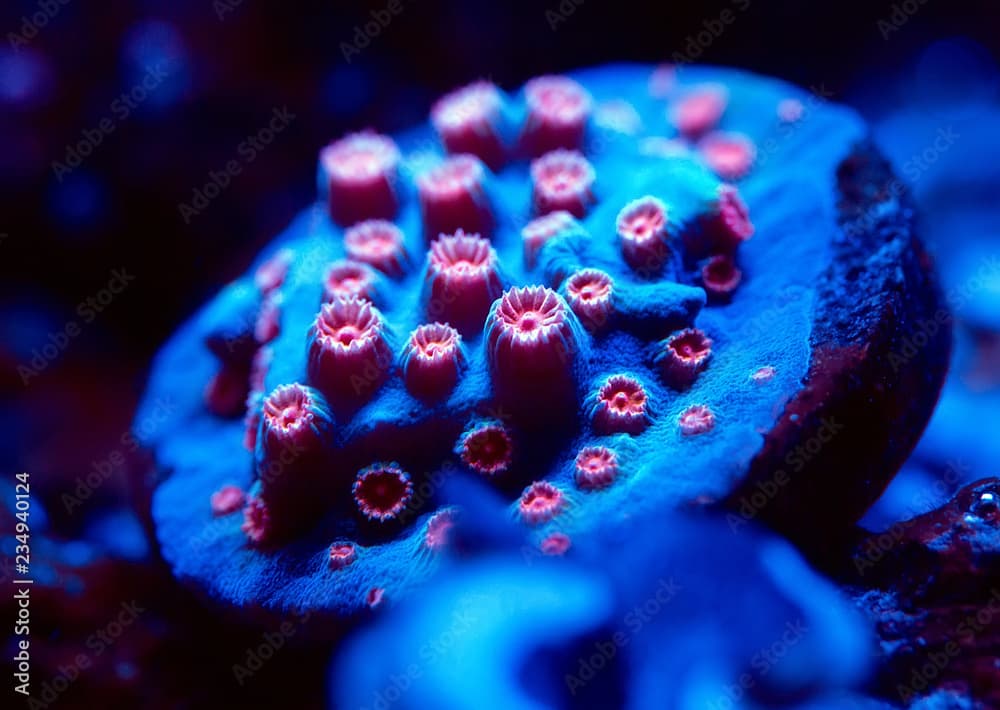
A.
pixel 461 280
pixel 563 180
pixel 361 174
pixel 596 468
pixel 684 355
pixel 620 405
pixel 589 293
pixel 379 244
pixel 453 196
pixel 540 503
pixel 468 121
pixel 382 491
pixel 486 448
pixel 642 229
pixel 348 352
pixel 433 360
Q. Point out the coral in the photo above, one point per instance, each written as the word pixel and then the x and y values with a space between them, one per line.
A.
pixel 563 181
pixel 472 311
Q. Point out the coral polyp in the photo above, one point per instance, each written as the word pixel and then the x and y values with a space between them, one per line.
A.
pixel 468 121
pixel 587 277
pixel 349 355
pixel 226 500
pixel 642 229
pixel 453 196
pixel 699 111
pixel 461 280
pixel 486 448
pixel 540 503
pixel 684 355
pixel 621 405
pixel 564 181
pixel 433 360
pixel 382 491
pixel 379 244
pixel 596 467
pixel 696 419
pixel 558 109
pixel 342 554
pixel 532 339
pixel 589 293
pixel 346 278
pixel 730 155
pixel 360 175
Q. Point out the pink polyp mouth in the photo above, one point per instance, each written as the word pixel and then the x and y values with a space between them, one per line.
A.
pixel 596 467
pixel 532 314
pixel 563 180
pixel 691 345
pixel 487 449
pixel 435 341
pixel 474 105
pixel 382 491
pixel 458 175
pixel 361 157
pixel 349 278
pixel 348 324
pixel 643 220
pixel 287 409
pixel 342 554
pixel 540 502
pixel 462 257
pixel 696 419
pixel 557 100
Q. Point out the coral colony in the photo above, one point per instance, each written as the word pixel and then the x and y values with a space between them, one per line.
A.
pixel 584 295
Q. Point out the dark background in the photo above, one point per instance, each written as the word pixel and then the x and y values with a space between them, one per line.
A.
pixel 229 64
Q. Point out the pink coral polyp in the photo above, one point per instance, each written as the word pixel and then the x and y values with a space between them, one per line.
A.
pixel 382 491
pixel 461 281
pixel 540 503
pixel 361 170
pixel 563 180
pixel 348 352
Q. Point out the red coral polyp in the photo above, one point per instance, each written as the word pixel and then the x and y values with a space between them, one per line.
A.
pixel 555 545
pixel 540 503
pixel 433 360
pixel 378 243
pixel 620 406
pixel 467 120
pixel 361 170
pixel 729 155
pixel 589 293
pixel 699 111
pixel 437 535
pixel 348 352
pixel 226 500
pixel 453 196
pixel 596 468
pixel 461 281
pixel 538 231
pixel 558 110
pixel 684 355
pixel 643 234
pixel 486 448
pixel 256 521
pixel 720 278
pixel 696 419
pixel 382 491
pixel 725 225
pixel 342 554
pixel 563 180
pixel 529 330
pixel 347 277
